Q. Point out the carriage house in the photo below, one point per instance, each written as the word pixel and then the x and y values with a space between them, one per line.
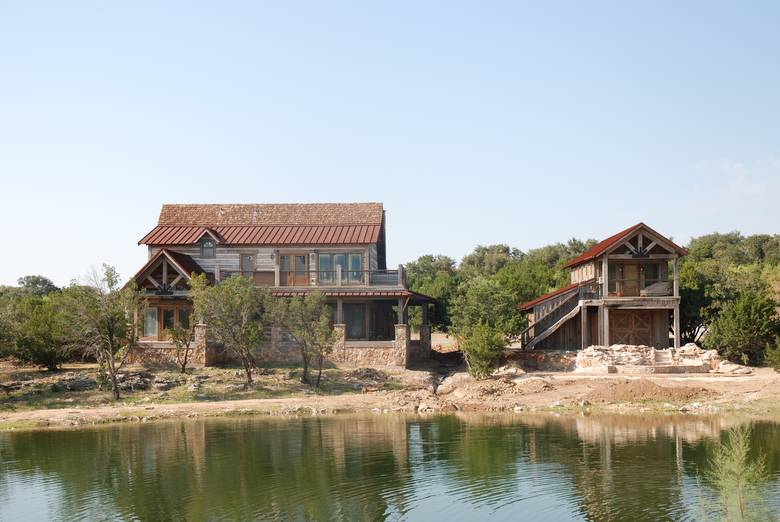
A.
pixel 292 249
pixel 624 290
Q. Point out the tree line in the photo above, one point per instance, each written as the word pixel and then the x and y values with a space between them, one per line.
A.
pixel 729 285
pixel 46 326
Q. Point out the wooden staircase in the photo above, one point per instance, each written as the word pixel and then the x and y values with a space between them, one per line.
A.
pixel 549 323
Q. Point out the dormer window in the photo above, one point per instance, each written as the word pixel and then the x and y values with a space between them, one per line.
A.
pixel 207 249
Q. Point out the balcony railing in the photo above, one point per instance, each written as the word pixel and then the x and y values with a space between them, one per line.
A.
pixel 640 287
pixel 329 278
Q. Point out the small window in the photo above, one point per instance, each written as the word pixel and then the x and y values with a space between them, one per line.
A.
pixel 167 318
pixel 150 322
pixel 207 249
pixel 184 318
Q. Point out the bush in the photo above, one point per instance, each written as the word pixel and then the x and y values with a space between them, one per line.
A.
pixel 772 355
pixel 744 328
pixel 42 337
pixel 483 347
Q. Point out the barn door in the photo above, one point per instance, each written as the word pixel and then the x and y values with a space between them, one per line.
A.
pixel 631 327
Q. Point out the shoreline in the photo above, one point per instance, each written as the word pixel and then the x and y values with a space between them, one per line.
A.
pixel 756 396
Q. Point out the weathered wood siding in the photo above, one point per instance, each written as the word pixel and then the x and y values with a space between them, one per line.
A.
pixel 583 272
pixel 567 337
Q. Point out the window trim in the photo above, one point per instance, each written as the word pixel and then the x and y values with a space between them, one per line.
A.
pixel 203 248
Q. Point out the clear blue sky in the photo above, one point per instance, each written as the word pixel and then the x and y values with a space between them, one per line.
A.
pixel 473 123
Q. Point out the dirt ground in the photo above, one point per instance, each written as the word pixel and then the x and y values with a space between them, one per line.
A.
pixel 41 400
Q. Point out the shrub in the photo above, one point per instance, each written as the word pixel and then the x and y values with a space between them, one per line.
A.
pixel 42 337
pixel 772 355
pixel 483 347
pixel 744 328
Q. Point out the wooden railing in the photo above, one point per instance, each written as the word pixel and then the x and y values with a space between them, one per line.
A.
pixel 562 309
pixel 340 277
pixel 640 287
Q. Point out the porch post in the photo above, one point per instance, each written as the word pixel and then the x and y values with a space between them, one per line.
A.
pixel 604 277
pixel 677 326
pixel 676 268
pixel 584 326
pixel 400 311
pixel 424 311
pixel 339 311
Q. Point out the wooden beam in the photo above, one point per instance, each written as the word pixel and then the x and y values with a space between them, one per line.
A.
pixel 153 281
pixel 650 256
pixel 677 327
pixel 584 326
pixel 165 271
pixel 676 279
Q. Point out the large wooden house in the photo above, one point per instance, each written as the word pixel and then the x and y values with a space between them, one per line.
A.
pixel 623 290
pixel 339 249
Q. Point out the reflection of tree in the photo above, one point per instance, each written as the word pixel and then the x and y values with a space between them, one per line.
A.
pixel 361 468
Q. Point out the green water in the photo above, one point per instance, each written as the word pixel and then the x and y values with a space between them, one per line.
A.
pixel 372 468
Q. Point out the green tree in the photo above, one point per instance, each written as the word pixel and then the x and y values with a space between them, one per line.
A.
pixel 101 316
pixel 772 355
pixel 437 277
pixel 743 328
pixel 483 300
pixel 483 347
pixel 487 260
pixel 37 285
pixel 308 320
pixel 182 339
pixel 43 333
pixel 235 312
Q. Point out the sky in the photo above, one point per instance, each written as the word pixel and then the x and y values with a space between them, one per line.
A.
pixel 473 122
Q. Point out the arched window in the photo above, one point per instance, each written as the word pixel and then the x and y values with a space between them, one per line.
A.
pixel 207 248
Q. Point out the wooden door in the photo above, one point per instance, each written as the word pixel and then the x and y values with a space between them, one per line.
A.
pixel 293 269
pixel 631 327
pixel 630 280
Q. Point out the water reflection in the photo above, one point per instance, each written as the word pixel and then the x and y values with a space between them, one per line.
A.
pixel 370 468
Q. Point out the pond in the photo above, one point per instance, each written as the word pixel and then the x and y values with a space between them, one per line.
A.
pixel 380 467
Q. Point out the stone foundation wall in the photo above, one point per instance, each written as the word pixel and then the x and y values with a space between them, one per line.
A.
pixel 614 358
pixel 544 360
pixel 281 347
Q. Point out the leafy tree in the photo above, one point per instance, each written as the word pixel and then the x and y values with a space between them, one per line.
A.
pixel 308 320
pixel 437 277
pixel 37 285
pixel 236 315
pixel 483 347
pixel 7 325
pixel 43 334
pixel 744 328
pixel 483 300
pixel 182 339
pixel 101 315
pixel 488 260
pixel 529 278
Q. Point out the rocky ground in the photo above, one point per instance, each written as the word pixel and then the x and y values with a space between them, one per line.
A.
pixel 33 399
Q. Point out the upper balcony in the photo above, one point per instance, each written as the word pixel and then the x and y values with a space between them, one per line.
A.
pixel 341 278
pixel 640 288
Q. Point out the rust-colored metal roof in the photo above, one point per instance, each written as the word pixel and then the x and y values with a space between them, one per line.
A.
pixel 164 235
pixel 530 304
pixel 611 241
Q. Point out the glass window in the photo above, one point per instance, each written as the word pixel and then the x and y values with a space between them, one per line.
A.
pixel 354 320
pixel 651 274
pixel 207 248
pixel 150 322
pixel 326 267
pixel 354 267
pixel 340 260
pixel 167 318
pixel 184 318
pixel 612 271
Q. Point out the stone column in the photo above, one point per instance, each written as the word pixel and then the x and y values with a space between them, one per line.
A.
pixel 425 341
pixel 339 347
pixel 401 344
pixel 201 350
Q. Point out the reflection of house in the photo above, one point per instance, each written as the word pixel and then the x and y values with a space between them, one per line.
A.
pixel 622 291
pixel 291 248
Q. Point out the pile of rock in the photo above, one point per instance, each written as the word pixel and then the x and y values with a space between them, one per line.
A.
pixel 132 381
pixel 624 358
pixel 74 382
